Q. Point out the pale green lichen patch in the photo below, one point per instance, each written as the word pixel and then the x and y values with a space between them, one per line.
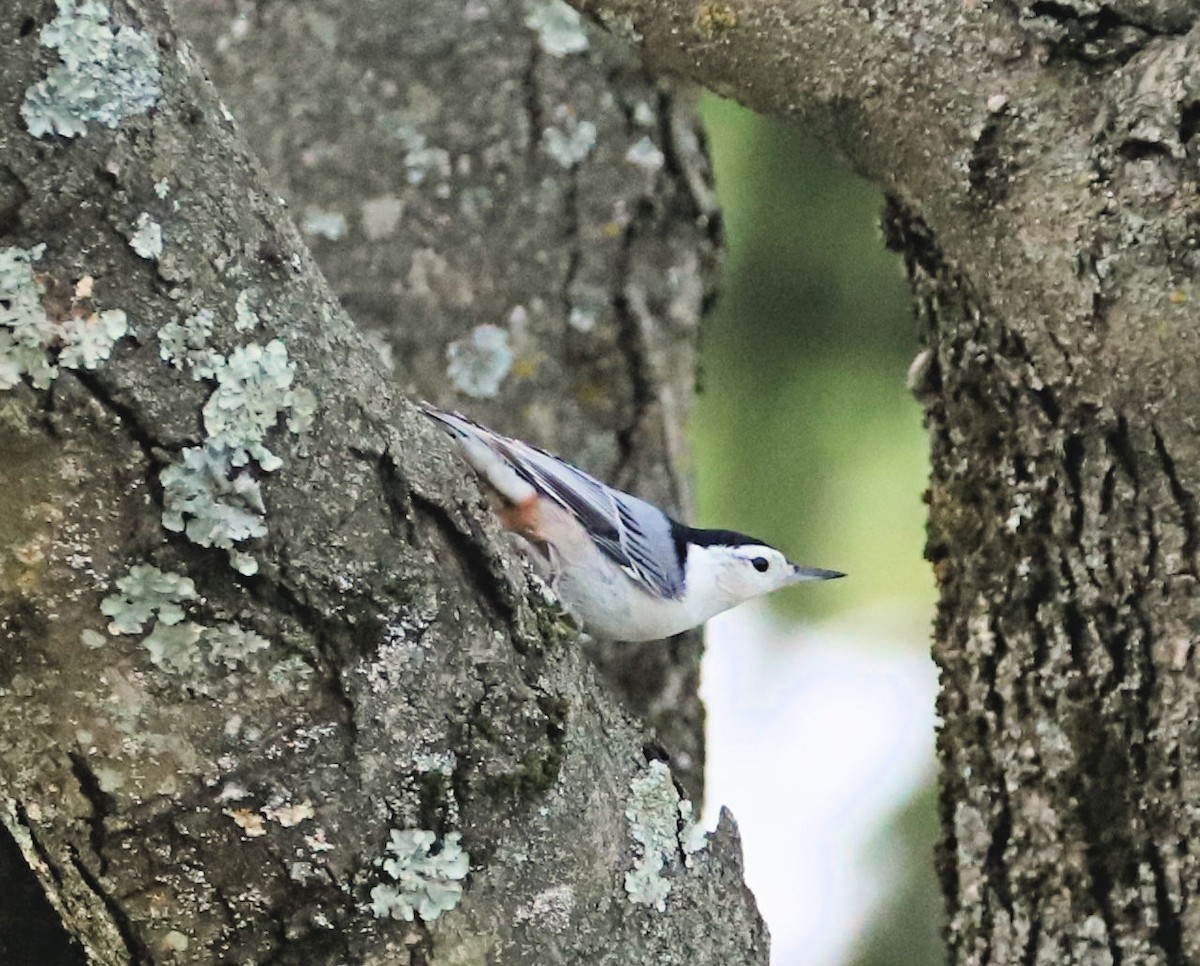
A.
pixel 232 645
pixel 173 647
pixel 91 639
pixel 646 155
pixel 148 595
pixel 325 223
pixel 181 648
pixel 244 316
pixel 88 340
pixel 570 144
pixel 208 493
pixel 24 329
pixel 35 343
pixel 147 238
pixel 661 825
pixel 620 25
pixel 420 158
pixel 254 383
pixel 253 389
pixel 438 762
pixel 185 344
pixel 107 73
pixel 175 941
pixel 303 404
pixel 559 28
pixel 211 505
pixel 290 674
pixel 479 363
pixel 692 837
pixel 422 884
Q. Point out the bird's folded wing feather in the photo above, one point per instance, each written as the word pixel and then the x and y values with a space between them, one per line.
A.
pixel 630 532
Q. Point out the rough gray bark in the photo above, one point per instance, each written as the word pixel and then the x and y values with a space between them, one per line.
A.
pixel 220 784
pixel 432 129
pixel 1041 161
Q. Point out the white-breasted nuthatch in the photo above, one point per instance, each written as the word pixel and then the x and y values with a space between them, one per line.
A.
pixel 621 566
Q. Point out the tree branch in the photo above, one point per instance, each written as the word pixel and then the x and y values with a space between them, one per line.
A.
pixel 1041 163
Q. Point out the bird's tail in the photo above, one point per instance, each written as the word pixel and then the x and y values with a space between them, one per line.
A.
pixel 489 454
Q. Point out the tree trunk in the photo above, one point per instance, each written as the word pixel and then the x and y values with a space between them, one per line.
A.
pixel 273 686
pixel 1041 164
pixel 508 168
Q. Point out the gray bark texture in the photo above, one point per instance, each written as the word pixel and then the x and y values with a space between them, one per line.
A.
pixel 251 645
pixel 1041 164
pixel 434 131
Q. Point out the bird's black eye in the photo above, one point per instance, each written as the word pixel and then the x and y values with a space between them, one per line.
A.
pixel 760 564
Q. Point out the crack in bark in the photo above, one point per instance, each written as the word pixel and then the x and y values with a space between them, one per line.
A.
pixel 571 240
pixel 1073 457
pixel 1029 953
pixel 280 597
pixel 131 420
pixel 101 803
pixel 1002 825
pixel 14 193
pixel 697 176
pixel 397 495
pixel 138 952
pixel 988 173
pixel 342 696
pixel 1184 499
pixel 1101 788
pixel 1169 932
pixel 1146 688
pixel 1100 887
pixel 420 951
pixel 467 547
pixel 1120 445
pixel 632 345
pixel 533 97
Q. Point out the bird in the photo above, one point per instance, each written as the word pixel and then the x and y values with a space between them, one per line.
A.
pixel 624 569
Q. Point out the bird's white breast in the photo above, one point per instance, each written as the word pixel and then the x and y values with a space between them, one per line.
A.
pixel 612 606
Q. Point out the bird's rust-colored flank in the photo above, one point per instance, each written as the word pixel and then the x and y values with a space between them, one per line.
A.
pixel 524 517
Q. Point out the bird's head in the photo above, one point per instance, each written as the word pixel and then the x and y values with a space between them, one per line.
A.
pixel 739 568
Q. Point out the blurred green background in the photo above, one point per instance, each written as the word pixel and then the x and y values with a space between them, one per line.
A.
pixel 806 437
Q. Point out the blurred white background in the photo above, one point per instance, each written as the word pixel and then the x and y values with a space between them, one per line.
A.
pixel 820 698
pixel 817 736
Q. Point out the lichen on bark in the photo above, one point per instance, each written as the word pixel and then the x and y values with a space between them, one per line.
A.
pixel 485 208
pixel 212 798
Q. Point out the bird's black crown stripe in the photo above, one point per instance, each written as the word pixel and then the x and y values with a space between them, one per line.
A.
pixel 683 535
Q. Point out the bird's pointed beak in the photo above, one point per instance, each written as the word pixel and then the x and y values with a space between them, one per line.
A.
pixel 801 574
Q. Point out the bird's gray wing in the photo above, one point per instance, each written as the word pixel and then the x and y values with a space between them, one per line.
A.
pixel 632 533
